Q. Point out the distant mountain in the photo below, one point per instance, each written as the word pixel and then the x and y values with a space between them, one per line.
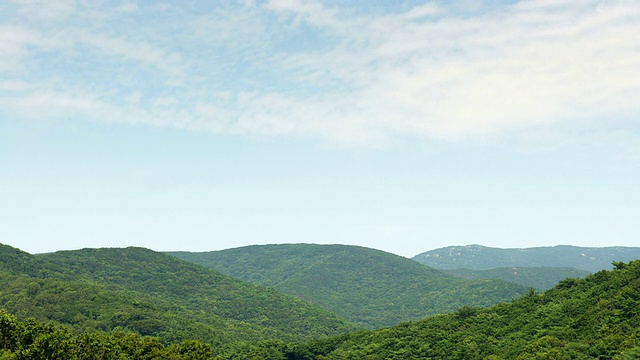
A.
pixel 369 287
pixel 153 294
pixel 477 257
pixel 597 317
pixel 541 278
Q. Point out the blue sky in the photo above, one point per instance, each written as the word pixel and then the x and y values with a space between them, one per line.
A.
pixel 403 126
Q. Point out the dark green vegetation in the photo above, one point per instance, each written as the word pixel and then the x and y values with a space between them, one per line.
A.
pixel 369 287
pixel 597 317
pixel 476 257
pixel 542 278
pixel 149 293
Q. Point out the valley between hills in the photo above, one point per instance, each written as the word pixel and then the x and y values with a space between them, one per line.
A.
pixel 306 301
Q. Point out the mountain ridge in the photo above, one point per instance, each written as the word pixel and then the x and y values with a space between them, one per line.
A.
pixel 478 257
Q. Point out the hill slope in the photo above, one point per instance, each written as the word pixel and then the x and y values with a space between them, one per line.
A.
pixel 593 318
pixel 153 294
pixel 369 287
pixel 541 278
pixel 477 257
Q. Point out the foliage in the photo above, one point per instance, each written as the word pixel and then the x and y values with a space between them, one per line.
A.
pixel 31 339
pixel 541 278
pixel 476 257
pixel 597 317
pixel 369 287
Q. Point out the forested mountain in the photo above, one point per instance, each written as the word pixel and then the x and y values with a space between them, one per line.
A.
pixel 369 287
pixel 477 257
pixel 151 293
pixel 597 317
pixel 541 278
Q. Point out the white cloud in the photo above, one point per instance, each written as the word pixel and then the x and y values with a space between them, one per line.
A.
pixel 422 11
pixel 127 7
pixel 47 11
pixel 534 63
pixel 14 42
pixel 311 11
pixel 425 72
pixel 137 51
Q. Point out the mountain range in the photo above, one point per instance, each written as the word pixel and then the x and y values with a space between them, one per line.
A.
pixel 99 304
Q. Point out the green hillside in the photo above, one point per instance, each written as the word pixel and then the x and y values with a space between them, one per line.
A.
pixel 541 278
pixel 597 317
pixel 477 257
pixel 151 293
pixel 369 287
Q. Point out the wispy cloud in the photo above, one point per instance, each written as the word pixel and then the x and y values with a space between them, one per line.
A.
pixel 304 68
pixel 13 51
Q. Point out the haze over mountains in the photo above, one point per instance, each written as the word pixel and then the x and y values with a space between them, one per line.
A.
pixel 478 257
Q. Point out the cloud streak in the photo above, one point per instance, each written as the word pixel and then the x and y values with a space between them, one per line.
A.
pixel 303 68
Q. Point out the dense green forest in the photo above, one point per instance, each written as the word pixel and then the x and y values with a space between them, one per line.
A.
pixel 35 340
pixel 477 257
pixel 369 287
pixel 597 317
pixel 149 293
pixel 540 278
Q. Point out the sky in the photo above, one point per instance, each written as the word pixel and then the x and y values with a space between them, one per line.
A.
pixel 403 126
